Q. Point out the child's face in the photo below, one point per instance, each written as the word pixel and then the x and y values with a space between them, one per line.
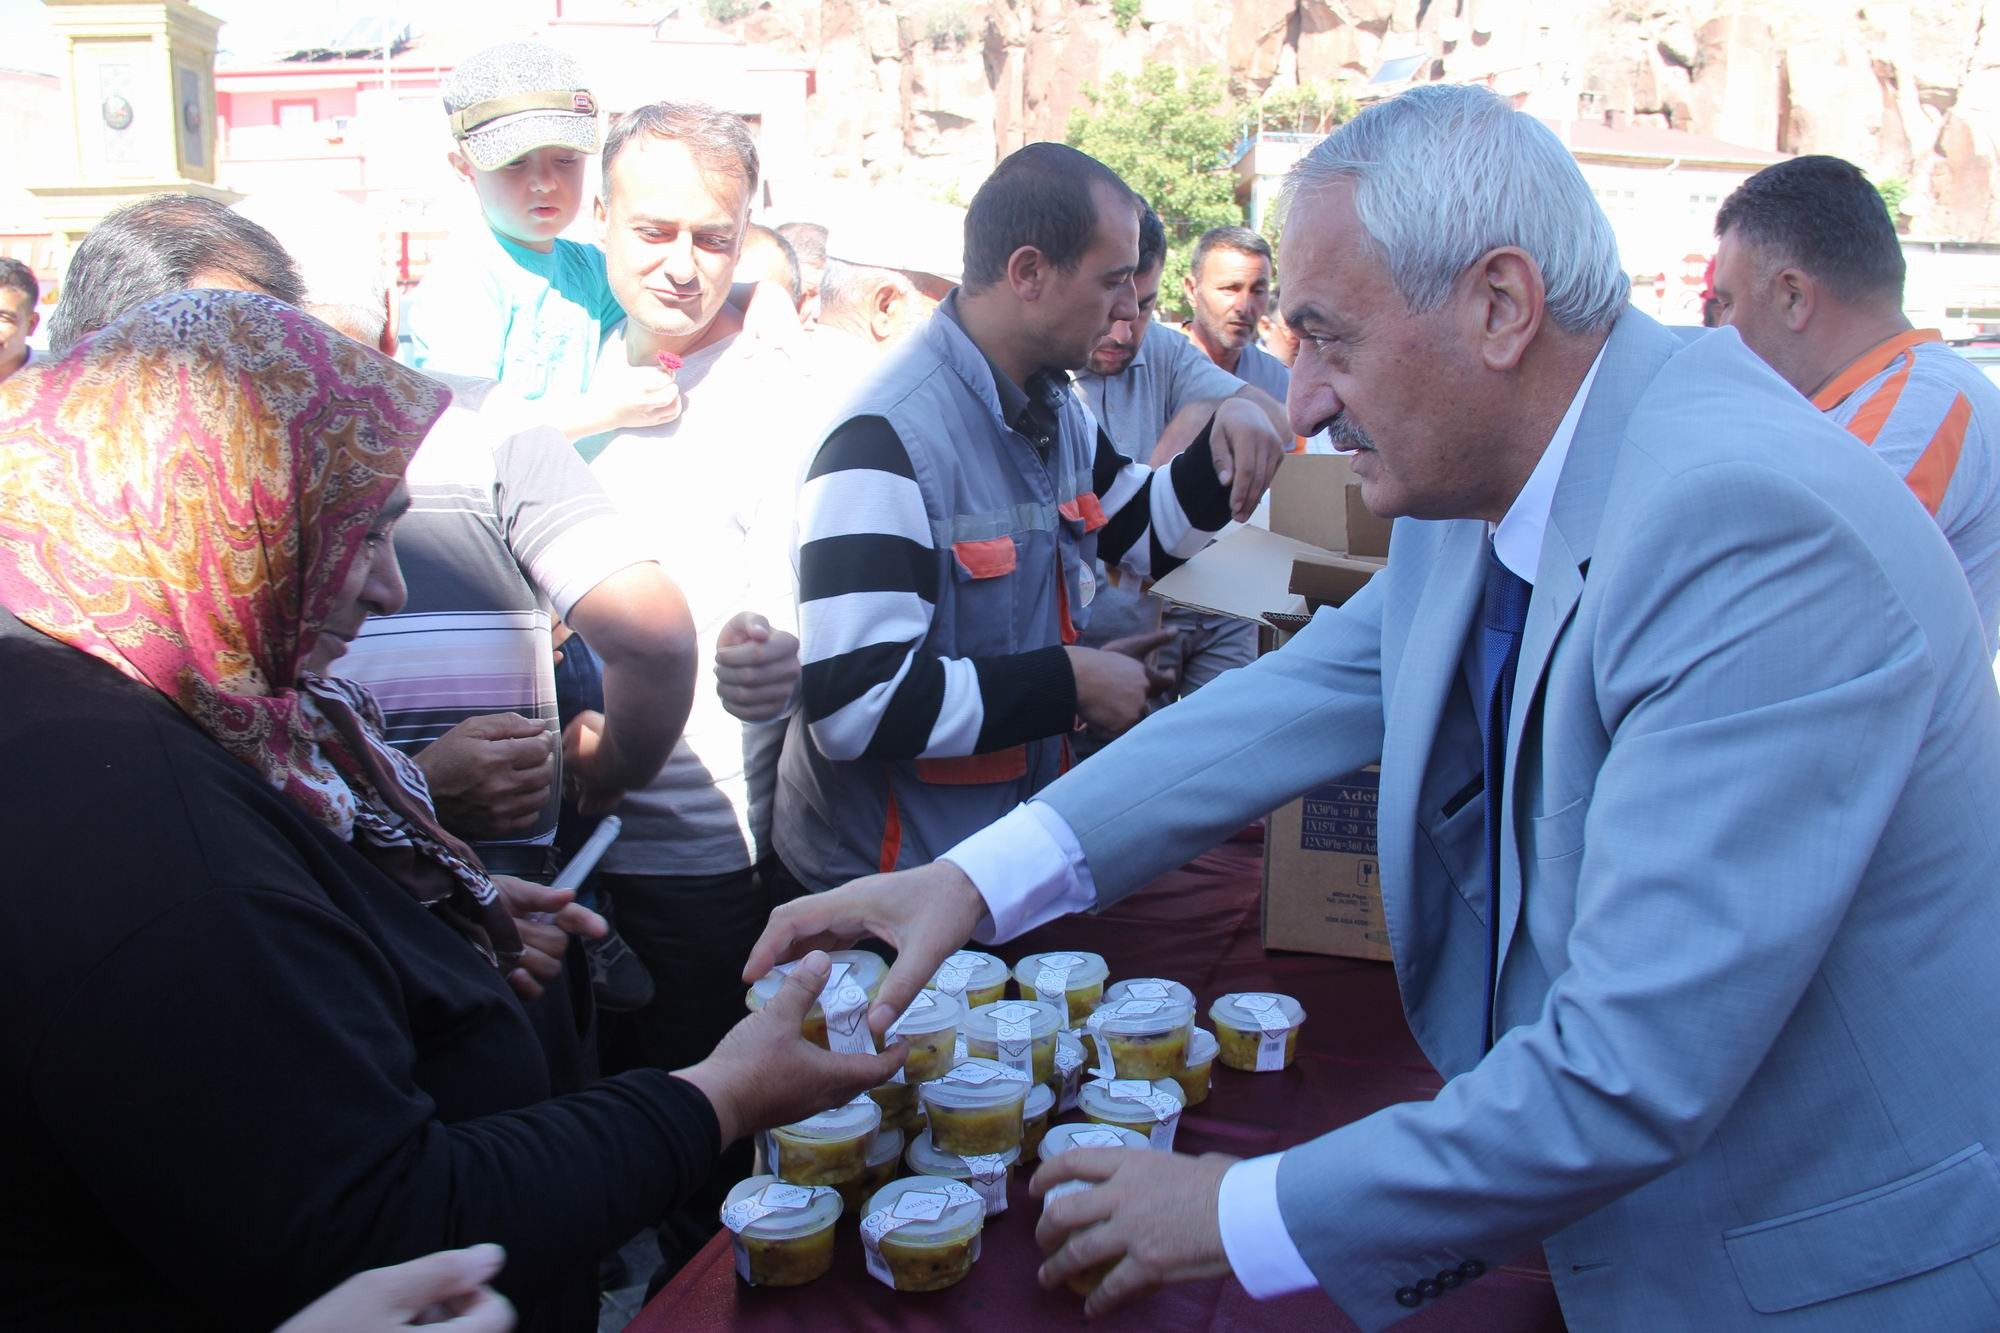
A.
pixel 532 198
pixel 17 320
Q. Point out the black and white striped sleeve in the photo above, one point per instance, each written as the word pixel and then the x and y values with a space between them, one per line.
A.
pixel 1151 529
pixel 868 574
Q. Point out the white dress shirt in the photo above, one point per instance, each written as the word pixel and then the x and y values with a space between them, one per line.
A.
pixel 1030 869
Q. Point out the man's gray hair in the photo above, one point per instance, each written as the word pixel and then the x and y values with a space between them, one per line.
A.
pixel 1443 174
pixel 844 287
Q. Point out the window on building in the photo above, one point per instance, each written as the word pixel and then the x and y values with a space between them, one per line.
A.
pixel 297 114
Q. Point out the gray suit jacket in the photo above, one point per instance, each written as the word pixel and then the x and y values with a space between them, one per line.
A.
pixel 1749 1000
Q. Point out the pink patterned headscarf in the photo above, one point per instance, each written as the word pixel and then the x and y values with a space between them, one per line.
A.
pixel 182 495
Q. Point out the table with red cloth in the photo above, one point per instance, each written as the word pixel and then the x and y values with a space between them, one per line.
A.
pixel 1199 926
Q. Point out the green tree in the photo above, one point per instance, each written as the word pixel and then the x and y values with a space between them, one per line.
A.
pixel 1123 12
pixel 1894 191
pixel 1172 139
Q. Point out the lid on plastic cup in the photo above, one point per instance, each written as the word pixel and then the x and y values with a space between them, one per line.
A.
pixel 1149 988
pixel 866 968
pixel 975 1084
pixel 1063 1138
pixel 1127 1098
pixel 854 1120
pixel 1255 1010
pixel 1041 1101
pixel 932 1011
pixel 928 1214
pixel 777 1211
pixel 1081 968
pixel 1035 1019
pixel 968 969
pixel 1140 1018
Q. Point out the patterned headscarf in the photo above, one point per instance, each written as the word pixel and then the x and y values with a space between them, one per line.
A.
pixel 181 496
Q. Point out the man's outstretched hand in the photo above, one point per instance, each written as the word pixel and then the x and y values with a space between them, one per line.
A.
pixel 926 913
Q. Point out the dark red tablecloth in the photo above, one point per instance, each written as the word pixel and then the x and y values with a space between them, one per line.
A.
pixel 1198 926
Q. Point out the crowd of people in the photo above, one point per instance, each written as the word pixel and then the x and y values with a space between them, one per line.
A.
pixel 332 626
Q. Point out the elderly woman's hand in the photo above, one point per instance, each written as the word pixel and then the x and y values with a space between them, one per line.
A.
pixel 766 1073
pixel 546 918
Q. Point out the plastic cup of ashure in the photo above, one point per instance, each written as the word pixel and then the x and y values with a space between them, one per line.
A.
pixel 1018 1033
pixel 938 1247
pixel 930 1027
pixel 885 1154
pixel 1248 1028
pixel 974 1110
pixel 792 1244
pixel 1100 1101
pixel 1145 1038
pixel 1078 976
pixel 1194 1079
pixel 827 1148
pixel 1067 1138
pixel 927 1159
pixel 866 968
pixel 974 977
pixel 1036 1113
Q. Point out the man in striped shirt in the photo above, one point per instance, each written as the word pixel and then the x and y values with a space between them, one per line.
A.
pixel 1809 272
pixel 947 529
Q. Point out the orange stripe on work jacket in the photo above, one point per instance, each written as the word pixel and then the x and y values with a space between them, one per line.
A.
pixel 1931 475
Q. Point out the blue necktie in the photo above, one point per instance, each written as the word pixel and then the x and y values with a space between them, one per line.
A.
pixel 1503 614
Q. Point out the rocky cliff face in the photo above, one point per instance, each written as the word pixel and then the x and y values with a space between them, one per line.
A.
pixel 932 92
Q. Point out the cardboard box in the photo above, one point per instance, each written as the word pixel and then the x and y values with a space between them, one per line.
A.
pixel 1322 882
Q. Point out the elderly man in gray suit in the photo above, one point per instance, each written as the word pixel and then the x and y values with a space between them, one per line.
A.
pixel 1690 771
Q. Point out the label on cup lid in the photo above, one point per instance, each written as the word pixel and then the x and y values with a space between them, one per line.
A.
pixel 1013 1013
pixel 1141 1008
pixel 845 1005
pixel 1167 1120
pixel 964 961
pixel 952 980
pixel 1052 979
pixel 1145 990
pixel 1131 1089
pixel 920 1006
pixel 1256 1004
pixel 773 1198
pixel 973 1075
pixel 1096 1138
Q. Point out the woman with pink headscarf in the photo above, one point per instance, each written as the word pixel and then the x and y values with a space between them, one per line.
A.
pixel 259 1029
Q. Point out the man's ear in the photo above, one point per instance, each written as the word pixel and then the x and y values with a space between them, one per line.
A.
pixel 1028 272
pixel 1795 294
pixel 34 322
pixel 602 216
pixel 1508 301
pixel 461 164
pixel 884 310
pixel 1188 288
